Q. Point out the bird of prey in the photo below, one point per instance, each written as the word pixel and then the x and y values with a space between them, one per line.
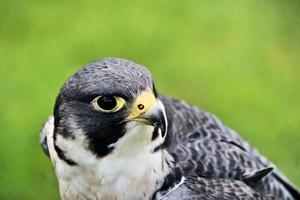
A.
pixel 113 136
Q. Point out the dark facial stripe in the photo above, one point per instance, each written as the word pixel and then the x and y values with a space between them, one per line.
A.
pixel 100 129
pixel 99 143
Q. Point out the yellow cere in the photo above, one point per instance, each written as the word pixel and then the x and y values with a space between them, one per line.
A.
pixel 147 100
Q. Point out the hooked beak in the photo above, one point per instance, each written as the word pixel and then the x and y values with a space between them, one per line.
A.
pixel 150 111
pixel 156 118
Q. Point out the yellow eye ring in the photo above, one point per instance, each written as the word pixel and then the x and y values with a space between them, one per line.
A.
pixel 108 103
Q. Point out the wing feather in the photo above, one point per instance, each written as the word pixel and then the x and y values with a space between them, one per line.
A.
pixel 203 146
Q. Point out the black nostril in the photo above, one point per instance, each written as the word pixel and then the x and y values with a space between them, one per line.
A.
pixel 141 106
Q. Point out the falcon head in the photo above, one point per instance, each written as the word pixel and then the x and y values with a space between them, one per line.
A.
pixel 109 106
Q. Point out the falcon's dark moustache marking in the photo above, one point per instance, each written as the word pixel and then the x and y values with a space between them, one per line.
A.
pixel 99 144
pixel 101 129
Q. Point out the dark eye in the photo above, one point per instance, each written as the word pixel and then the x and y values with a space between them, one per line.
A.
pixel 108 103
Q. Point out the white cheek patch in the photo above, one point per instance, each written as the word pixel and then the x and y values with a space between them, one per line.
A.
pixel 75 149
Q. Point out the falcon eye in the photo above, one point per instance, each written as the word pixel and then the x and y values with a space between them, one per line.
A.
pixel 108 104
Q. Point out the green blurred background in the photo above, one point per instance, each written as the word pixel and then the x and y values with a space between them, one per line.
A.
pixel 238 59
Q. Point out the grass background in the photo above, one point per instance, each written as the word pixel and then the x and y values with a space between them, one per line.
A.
pixel 238 59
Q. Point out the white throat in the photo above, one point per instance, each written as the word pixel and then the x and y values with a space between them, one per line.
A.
pixel 132 171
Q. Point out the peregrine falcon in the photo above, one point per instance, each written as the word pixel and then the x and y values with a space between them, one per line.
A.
pixel 113 136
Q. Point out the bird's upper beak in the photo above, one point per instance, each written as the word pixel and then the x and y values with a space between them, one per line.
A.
pixel 149 110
